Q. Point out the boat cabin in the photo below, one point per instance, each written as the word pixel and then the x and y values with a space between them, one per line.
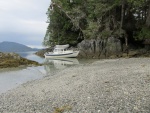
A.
pixel 59 49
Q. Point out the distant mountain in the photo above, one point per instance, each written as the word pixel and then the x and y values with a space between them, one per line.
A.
pixel 14 47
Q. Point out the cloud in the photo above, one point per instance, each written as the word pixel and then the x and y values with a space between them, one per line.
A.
pixel 23 20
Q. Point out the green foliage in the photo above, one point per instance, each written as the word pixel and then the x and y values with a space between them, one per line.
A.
pixel 143 34
pixel 91 30
pixel 59 29
pixel 137 2
pixel 106 34
pixel 68 19
pixel 93 19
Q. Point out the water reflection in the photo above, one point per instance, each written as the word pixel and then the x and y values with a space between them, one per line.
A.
pixel 52 65
pixel 31 56
pixel 12 79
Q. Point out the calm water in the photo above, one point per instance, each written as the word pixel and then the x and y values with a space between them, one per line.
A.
pixel 11 78
pixel 30 55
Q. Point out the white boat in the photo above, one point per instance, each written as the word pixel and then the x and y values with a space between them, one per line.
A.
pixel 61 51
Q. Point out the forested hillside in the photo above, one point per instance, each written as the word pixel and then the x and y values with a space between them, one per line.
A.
pixel 71 21
pixel 15 47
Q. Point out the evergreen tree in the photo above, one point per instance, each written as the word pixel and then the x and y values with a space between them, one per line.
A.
pixel 71 21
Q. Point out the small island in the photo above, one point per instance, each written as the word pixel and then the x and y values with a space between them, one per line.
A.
pixel 8 60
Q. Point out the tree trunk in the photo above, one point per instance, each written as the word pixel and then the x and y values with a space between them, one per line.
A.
pixel 121 24
pixel 148 17
pixel 126 42
pixel 122 13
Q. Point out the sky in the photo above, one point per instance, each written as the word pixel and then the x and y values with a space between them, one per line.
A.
pixel 23 21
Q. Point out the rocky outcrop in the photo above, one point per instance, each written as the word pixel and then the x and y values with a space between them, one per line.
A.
pixel 100 48
pixel 43 51
pixel 14 60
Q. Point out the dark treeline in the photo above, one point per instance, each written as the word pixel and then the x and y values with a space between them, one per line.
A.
pixel 71 21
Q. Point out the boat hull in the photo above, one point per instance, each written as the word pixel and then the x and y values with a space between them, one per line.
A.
pixel 65 55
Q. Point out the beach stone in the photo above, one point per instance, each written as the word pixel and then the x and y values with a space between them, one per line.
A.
pixel 105 86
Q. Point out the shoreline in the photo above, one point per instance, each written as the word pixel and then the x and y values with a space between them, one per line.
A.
pixel 13 77
pixel 107 85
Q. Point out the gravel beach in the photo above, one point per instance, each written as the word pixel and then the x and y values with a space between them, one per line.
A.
pixel 104 86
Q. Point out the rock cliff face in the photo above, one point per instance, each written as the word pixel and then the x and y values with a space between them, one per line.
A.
pixel 100 48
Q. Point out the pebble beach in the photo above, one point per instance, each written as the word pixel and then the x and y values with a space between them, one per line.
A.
pixel 104 86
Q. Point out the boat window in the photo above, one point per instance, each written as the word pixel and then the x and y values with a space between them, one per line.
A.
pixel 59 50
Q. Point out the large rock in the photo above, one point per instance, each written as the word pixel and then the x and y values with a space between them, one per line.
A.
pixel 100 48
